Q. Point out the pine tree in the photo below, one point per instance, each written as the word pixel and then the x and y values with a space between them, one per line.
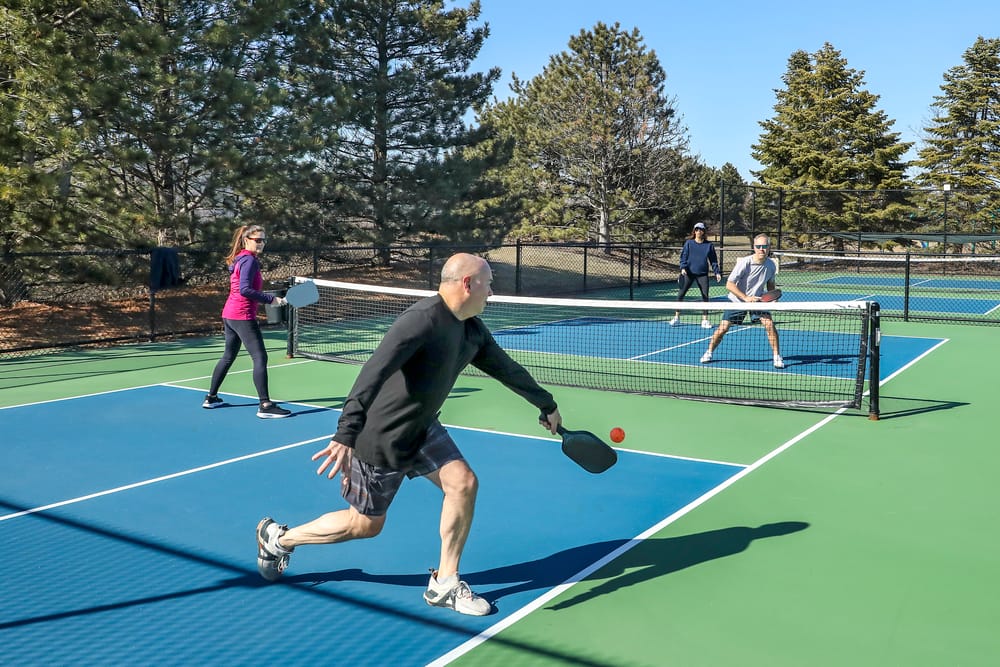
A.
pixel 961 145
pixel 390 84
pixel 596 138
pixel 38 139
pixel 827 138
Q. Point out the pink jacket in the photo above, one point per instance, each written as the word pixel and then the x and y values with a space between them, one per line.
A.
pixel 245 281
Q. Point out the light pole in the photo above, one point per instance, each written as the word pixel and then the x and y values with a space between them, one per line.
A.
pixel 947 188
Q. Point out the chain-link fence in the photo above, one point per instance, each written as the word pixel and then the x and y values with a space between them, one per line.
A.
pixel 944 220
pixel 66 299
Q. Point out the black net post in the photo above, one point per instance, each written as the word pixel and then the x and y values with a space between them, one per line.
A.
pixel 874 351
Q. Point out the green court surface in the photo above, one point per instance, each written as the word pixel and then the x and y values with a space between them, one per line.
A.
pixel 845 542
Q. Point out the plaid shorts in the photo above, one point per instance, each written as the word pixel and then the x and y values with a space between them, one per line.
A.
pixel 370 489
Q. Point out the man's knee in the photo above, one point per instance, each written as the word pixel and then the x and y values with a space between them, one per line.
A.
pixel 457 478
pixel 363 526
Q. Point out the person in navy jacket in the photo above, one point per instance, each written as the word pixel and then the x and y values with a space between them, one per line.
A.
pixel 698 257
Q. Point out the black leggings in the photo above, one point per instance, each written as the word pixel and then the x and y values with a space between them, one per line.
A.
pixel 702 282
pixel 248 333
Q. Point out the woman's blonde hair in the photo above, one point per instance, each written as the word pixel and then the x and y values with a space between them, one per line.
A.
pixel 243 232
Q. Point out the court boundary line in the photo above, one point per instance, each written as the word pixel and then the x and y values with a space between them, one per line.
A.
pixel 272 450
pixel 538 602
pixel 168 383
pixel 580 576
pixel 161 478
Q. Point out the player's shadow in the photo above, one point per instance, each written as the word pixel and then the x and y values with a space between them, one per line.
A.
pixel 657 557
pixel 649 559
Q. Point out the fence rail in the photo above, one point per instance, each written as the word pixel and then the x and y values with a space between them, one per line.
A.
pixel 55 300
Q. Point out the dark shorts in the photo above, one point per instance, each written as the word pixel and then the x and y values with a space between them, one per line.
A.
pixel 739 316
pixel 370 489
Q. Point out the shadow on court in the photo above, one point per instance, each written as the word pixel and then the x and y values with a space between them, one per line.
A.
pixel 907 407
pixel 650 559
pixel 654 558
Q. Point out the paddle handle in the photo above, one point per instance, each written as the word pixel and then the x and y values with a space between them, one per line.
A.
pixel 544 418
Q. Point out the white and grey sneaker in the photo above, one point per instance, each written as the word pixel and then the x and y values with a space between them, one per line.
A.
pixel 705 324
pixel 452 593
pixel 707 357
pixel 778 361
pixel 272 558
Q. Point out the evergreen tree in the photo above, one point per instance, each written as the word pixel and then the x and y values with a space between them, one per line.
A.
pixel 825 143
pixel 38 137
pixel 598 144
pixel 961 145
pixel 389 82
pixel 147 115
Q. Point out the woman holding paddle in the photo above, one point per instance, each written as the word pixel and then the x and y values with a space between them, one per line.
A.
pixel 239 319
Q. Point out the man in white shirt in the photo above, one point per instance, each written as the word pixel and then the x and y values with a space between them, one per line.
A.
pixel 751 277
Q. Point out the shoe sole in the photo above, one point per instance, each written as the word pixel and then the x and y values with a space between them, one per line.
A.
pixel 266 415
pixel 485 612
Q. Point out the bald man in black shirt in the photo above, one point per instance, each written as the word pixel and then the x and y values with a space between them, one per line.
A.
pixel 389 430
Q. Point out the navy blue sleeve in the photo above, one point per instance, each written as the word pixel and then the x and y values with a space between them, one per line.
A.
pixel 250 267
pixel 713 259
pixel 685 256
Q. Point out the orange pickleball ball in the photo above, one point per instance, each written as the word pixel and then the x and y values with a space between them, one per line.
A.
pixel 617 434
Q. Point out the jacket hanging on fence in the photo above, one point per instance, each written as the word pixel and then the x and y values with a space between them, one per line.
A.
pixel 164 269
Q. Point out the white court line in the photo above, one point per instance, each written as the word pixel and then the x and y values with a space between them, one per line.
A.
pixel 736 329
pixel 538 602
pixel 163 478
pixel 175 383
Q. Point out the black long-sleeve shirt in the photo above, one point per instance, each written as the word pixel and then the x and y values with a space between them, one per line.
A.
pixel 402 387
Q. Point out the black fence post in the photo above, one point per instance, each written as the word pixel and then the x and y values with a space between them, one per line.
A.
pixel 874 352
pixel 430 267
pixel 517 267
pixel 906 289
pixel 631 272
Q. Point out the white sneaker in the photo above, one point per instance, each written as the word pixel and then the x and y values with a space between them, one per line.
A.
pixel 272 558
pixel 452 593
pixel 778 361
pixel 705 324
pixel 707 357
pixel 674 322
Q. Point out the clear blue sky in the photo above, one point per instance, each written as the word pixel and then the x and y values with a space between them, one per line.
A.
pixel 725 58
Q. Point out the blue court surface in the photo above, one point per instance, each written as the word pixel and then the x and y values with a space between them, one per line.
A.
pixel 979 284
pixel 918 303
pixel 806 352
pixel 132 517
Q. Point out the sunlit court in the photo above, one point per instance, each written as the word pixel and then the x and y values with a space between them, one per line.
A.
pixel 137 507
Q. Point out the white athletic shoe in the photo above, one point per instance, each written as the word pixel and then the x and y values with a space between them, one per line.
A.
pixel 674 322
pixel 778 361
pixel 705 324
pixel 452 593
pixel 707 357
pixel 272 558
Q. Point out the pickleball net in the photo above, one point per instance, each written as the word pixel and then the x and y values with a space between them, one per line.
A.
pixel 830 349
pixel 911 286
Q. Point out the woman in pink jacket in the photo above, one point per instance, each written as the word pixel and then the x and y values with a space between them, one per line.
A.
pixel 239 318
